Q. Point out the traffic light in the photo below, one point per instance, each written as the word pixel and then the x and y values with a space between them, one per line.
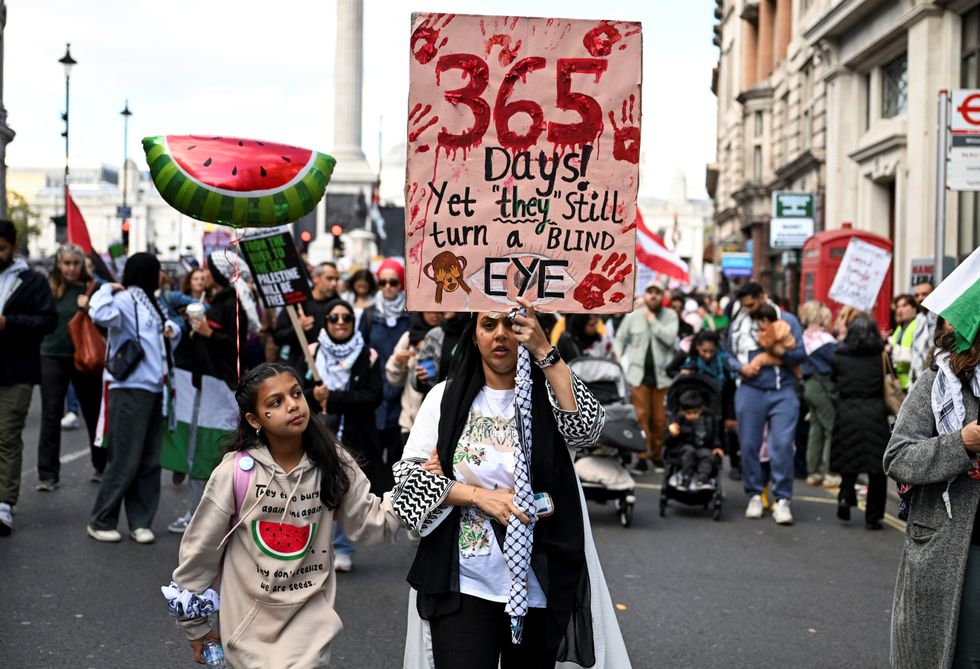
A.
pixel 305 237
pixel 338 243
pixel 125 235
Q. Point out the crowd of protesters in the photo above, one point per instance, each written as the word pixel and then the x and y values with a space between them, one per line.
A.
pixel 811 395
pixel 801 395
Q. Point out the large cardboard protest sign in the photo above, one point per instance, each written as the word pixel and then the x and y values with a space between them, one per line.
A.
pixel 278 271
pixel 523 157
pixel 859 277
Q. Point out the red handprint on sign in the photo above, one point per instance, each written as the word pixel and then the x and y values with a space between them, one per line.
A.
pixel 416 220
pixel 591 293
pixel 415 117
pixel 626 140
pixel 502 39
pixel 425 39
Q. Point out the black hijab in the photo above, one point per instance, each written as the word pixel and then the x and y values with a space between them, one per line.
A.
pixel 576 326
pixel 558 556
pixel 142 271
pixel 452 329
pixel 337 302
pixel 417 328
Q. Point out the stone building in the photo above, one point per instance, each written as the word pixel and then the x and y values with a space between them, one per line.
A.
pixel 838 98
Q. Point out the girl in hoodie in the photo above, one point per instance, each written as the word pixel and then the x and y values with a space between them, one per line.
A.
pixel 279 491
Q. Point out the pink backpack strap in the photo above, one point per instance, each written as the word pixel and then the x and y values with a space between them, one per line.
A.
pixel 242 481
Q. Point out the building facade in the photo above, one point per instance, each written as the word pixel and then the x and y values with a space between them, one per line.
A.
pixel 839 98
pixel 155 225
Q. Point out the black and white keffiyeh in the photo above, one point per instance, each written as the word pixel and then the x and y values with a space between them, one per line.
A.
pixel 389 310
pixel 519 540
pixel 947 396
pixel 335 360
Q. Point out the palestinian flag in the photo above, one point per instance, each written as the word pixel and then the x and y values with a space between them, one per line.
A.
pixel 957 300
pixel 217 420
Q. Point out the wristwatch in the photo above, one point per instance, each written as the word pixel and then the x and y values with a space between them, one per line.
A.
pixel 548 360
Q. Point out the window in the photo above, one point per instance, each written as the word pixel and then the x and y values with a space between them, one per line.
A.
pixel 757 164
pixel 758 124
pixel 894 87
pixel 867 100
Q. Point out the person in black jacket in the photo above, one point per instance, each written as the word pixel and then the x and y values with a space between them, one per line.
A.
pixel 27 314
pixel 348 396
pixel 861 427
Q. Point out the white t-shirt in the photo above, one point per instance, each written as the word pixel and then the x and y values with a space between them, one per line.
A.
pixel 484 457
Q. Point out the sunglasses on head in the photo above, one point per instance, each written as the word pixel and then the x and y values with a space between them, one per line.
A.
pixel 341 318
pixel 394 283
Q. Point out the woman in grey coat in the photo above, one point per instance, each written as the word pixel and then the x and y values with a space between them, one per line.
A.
pixel 934 448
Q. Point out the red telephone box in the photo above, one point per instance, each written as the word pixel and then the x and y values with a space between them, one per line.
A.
pixel 822 255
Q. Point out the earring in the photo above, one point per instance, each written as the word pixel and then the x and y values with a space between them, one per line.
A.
pixel 258 432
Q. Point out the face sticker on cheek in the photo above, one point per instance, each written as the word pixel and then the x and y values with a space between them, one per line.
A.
pixel 268 415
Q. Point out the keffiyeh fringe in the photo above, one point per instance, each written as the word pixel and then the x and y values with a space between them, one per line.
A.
pixel 185 604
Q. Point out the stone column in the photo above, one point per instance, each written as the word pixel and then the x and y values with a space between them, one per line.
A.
pixel 750 37
pixel 764 64
pixel 784 27
pixel 353 178
pixel 6 134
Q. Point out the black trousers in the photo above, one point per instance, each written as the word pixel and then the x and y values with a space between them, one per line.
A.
pixel 132 474
pixel 877 494
pixel 56 373
pixel 477 636
pixel 700 461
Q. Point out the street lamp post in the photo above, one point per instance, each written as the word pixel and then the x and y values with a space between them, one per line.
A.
pixel 68 62
pixel 125 213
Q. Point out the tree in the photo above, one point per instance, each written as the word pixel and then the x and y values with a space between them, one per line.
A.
pixel 24 218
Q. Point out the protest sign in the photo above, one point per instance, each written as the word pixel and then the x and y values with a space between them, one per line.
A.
pixel 281 279
pixel 278 271
pixel 860 275
pixel 523 157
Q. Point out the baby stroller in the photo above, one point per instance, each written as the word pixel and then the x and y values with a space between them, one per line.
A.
pixel 710 496
pixel 603 469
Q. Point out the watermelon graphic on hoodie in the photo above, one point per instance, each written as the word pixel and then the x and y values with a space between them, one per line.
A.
pixel 277 582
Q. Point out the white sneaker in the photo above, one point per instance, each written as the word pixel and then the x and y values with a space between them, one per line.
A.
pixel 69 421
pixel 781 513
pixel 142 535
pixel 179 526
pixel 754 509
pixel 342 562
pixel 108 536
pixel 6 519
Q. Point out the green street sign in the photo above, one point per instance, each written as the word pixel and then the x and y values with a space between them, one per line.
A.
pixel 792 205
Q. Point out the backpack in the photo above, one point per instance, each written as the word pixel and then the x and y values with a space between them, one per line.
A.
pixel 242 481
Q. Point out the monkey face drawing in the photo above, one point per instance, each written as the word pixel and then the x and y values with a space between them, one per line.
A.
pixel 446 270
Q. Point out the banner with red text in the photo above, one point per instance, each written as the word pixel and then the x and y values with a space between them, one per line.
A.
pixel 523 163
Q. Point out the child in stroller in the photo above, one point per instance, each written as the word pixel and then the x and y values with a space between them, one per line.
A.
pixel 693 444
pixel 692 440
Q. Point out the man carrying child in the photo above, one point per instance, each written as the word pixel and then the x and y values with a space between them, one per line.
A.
pixel 693 439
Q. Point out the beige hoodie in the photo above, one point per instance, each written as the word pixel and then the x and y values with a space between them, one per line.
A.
pixel 278 585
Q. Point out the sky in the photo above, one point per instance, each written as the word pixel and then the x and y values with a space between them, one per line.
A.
pixel 264 70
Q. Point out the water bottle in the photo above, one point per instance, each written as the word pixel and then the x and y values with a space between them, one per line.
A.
pixel 214 654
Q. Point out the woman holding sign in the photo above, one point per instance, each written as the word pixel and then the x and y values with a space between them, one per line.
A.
pixel 498 578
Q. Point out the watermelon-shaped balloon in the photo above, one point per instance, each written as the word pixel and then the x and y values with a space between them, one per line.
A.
pixel 237 182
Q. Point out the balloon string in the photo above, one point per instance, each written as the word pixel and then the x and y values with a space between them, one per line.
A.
pixel 236 277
